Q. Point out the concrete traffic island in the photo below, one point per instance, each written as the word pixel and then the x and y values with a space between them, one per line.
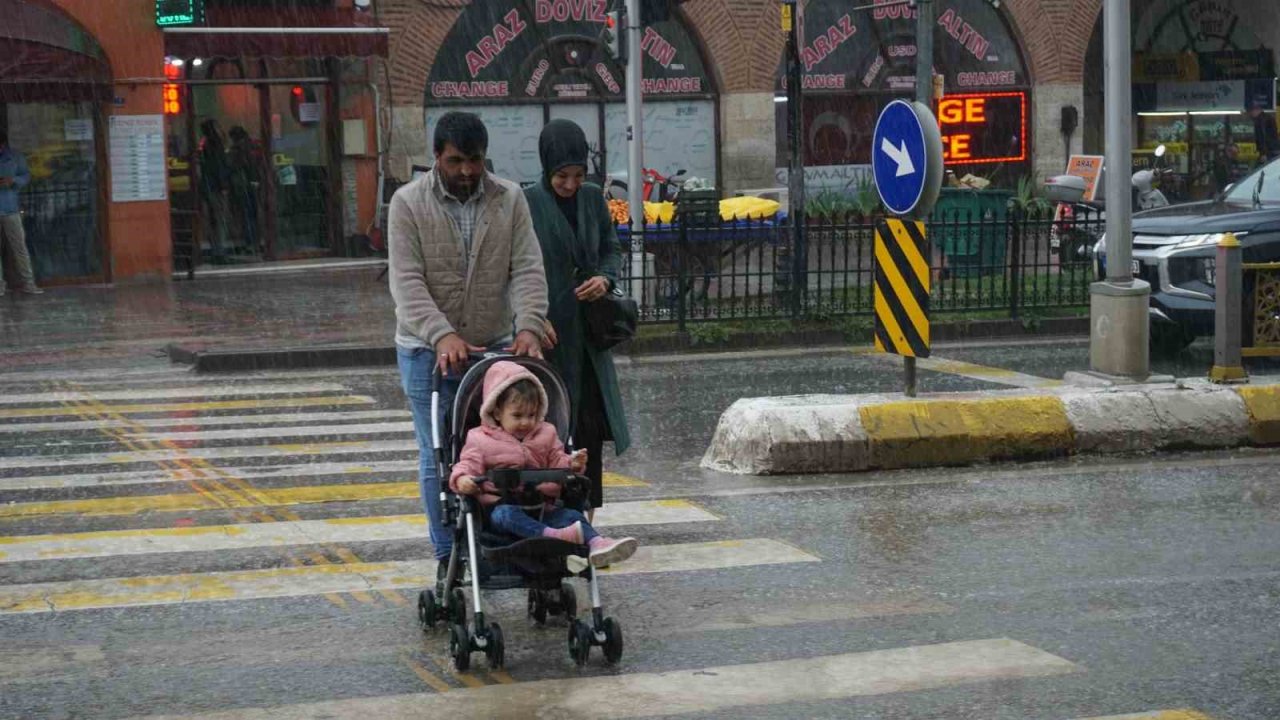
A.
pixel 852 433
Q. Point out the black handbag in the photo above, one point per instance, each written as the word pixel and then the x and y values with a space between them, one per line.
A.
pixel 611 319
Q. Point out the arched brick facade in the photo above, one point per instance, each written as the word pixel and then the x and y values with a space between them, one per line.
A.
pixel 1054 36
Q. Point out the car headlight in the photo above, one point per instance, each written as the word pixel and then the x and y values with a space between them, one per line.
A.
pixel 1193 272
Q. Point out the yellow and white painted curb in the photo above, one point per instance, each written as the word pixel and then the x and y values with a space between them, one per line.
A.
pixel 851 433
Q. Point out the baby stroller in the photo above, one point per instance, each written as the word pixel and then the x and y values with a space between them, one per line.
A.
pixel 503 562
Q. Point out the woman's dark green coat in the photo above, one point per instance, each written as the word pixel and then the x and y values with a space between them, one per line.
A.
pixel 570 259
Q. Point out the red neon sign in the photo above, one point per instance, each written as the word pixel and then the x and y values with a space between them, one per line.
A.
pixel 982 128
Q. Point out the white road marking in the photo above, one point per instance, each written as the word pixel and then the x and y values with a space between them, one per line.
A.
pixel 155 456
pixel 143 477
pixel 29 548
pixel 170 393
pixel 196 422
pixel 350 577
pixel 704 690
pixel 287 431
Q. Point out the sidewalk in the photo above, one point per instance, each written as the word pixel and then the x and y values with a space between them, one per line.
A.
pixel 305 305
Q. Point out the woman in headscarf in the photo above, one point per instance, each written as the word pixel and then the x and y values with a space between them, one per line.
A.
pixel 581 255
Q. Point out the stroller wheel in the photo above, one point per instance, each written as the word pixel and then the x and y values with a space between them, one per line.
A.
pixel 568 600
pixel 537 606
pixel 460 647
pixel 612 640
pixel 458 606
pixel 579 642
pixel 427 609
pixel 496 652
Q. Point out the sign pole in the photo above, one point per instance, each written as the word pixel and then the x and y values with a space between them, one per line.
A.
pixel 924 94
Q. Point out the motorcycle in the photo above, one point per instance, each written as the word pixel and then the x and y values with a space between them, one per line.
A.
pixel 1078 224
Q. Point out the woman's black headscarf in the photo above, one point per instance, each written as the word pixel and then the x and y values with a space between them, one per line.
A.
pixel 562 144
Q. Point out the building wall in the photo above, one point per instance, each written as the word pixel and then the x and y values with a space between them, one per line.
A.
pixel 138 237
pixel 743 42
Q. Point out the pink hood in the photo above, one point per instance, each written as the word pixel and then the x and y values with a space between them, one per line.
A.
pixel 500 376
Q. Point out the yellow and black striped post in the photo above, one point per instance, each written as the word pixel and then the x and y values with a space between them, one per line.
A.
pixel 902 292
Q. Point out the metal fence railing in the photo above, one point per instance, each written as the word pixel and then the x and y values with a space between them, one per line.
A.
pixel 698 271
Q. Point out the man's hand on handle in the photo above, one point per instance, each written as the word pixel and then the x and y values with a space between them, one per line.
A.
pixel 526 343
pixel 452 351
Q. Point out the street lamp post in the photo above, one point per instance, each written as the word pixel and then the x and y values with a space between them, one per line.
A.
pixel 1118 305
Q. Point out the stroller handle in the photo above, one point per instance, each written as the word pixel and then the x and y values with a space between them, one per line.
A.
pixel 437 376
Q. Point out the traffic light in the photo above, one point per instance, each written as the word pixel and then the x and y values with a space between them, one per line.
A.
pixel 613 37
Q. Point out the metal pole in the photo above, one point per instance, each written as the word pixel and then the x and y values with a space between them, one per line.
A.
pixel 924 94
pixel 1119 151
pixel 635 129
pixel 1226 313
pixel 1119 306
pixel 795 168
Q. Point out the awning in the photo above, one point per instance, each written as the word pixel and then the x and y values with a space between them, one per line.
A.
pixel 292 33
pixel 46 57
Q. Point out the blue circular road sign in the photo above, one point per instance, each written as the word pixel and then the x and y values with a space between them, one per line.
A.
pixel 906 153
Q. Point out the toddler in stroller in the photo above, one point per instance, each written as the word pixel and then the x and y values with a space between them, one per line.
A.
pixel 513 464
pixel 514 434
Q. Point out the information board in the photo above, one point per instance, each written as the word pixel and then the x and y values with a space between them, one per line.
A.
pixel 138 170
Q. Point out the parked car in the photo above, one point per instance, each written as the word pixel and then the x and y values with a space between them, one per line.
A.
pixel 1175 247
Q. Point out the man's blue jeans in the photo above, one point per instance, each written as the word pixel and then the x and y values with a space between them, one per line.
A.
pixel 514 521
pixel 416 366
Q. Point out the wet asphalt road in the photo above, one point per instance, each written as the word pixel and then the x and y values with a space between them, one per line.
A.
pixel 1155 577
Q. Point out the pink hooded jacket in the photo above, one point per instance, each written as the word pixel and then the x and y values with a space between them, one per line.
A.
pixel 489 446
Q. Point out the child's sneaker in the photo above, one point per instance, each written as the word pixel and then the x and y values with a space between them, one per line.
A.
pixel 607 551
pixel 572 534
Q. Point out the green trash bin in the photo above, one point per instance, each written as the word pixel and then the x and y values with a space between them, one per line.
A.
pixel 969 227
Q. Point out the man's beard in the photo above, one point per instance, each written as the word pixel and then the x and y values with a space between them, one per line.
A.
pixel 460 189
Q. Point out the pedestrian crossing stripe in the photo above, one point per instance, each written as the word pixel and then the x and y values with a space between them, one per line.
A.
pixel 204 421
pixel 263 497
pixel 196 436
pixel 183 474
pixel 308 580
pixel 203 406
pixel 901 288
pixel 345 447
pixel 787 683
pixel 211 538
pixel 61 396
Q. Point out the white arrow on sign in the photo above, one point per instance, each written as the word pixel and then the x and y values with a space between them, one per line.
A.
pixel 899 155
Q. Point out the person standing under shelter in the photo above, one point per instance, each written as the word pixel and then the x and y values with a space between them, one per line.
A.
pixel 1264 133
pixel 13 176
pixel 465 273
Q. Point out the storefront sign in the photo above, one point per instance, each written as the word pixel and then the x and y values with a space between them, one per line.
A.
pixel 983 128
pixel 1088 167
pixel 549 48
pixel 874 49
pixel 1222 95
pixel 137 158
pixel 179 12
pixel 827 177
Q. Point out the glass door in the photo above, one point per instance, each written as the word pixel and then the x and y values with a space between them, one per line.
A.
pixel 299 163
pixel 60 205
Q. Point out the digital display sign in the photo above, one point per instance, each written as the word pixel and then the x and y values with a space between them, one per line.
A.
pixel 983 128
pixel 179 12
